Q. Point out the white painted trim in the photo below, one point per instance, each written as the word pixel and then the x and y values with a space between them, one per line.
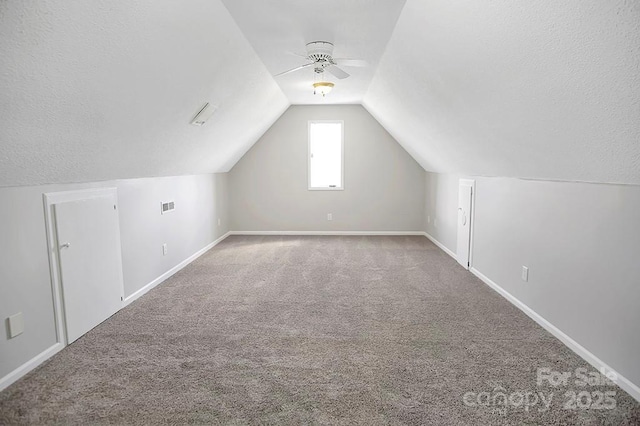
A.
pixel 28 366
pixel 129 299
pixel 49 200
pixel 472 226
pixel 398 233
pixel 581 351
pixel 470 183
pixel 81 194
pixel 441 246
pixel 19 372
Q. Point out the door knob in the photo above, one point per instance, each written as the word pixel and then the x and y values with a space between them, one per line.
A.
pixel 464 216
pixel 65 245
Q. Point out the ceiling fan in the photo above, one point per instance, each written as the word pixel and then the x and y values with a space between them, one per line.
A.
pixel 320 53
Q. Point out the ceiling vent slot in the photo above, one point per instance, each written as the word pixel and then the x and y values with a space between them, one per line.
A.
pixel 205 113
pixel 167 207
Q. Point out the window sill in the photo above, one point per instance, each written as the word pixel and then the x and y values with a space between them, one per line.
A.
pixel 326 189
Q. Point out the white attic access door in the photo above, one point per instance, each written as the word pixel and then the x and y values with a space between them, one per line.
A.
pixel 85 258
pixel 465 215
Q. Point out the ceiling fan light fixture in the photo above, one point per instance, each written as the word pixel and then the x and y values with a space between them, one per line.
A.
pixel 322 87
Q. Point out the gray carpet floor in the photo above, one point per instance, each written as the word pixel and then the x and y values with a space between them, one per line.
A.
pixel 314 330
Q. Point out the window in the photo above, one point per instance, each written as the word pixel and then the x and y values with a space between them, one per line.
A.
pixel 326 155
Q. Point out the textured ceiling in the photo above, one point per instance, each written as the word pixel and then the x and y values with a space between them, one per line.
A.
pixel 539 89
pixel 106 89
pixel 277 29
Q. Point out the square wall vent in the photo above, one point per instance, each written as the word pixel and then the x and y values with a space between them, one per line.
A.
pixel 167 207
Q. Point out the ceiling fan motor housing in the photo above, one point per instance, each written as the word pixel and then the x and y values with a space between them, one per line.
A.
pixel 320 51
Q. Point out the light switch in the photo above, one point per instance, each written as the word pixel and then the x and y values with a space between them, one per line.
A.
pixel 16 325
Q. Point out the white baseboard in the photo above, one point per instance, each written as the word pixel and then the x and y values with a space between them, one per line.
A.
pixel 582 352
pixel 42 357
pixel 129 299
pixel 399 233
pixel 622 381
pixel 19 372
pixel 440 245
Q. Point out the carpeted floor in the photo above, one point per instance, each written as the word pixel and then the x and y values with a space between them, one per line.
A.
pixel 315 330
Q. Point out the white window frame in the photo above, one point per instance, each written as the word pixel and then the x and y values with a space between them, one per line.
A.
pixel 325 188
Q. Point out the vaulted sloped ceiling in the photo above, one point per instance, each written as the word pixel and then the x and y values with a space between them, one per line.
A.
pixel 529 88
pixel 539 89
pixel 279 30
pixel 96 90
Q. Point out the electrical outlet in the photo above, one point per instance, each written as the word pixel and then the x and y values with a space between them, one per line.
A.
pixel 428 219
pixel 525 274
pixel 219 223
pixel 16 325
pixel 329 216
pixel 165 249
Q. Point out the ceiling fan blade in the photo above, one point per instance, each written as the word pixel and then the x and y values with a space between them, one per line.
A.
pixel 351 62
pixel 298 54
pixel 337 72
pixel 295 69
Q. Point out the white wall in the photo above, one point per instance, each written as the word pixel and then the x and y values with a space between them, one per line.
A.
pixel 441 208
pixel 384 186
pixel 581 243
pixel 200 201
pixel 25 284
